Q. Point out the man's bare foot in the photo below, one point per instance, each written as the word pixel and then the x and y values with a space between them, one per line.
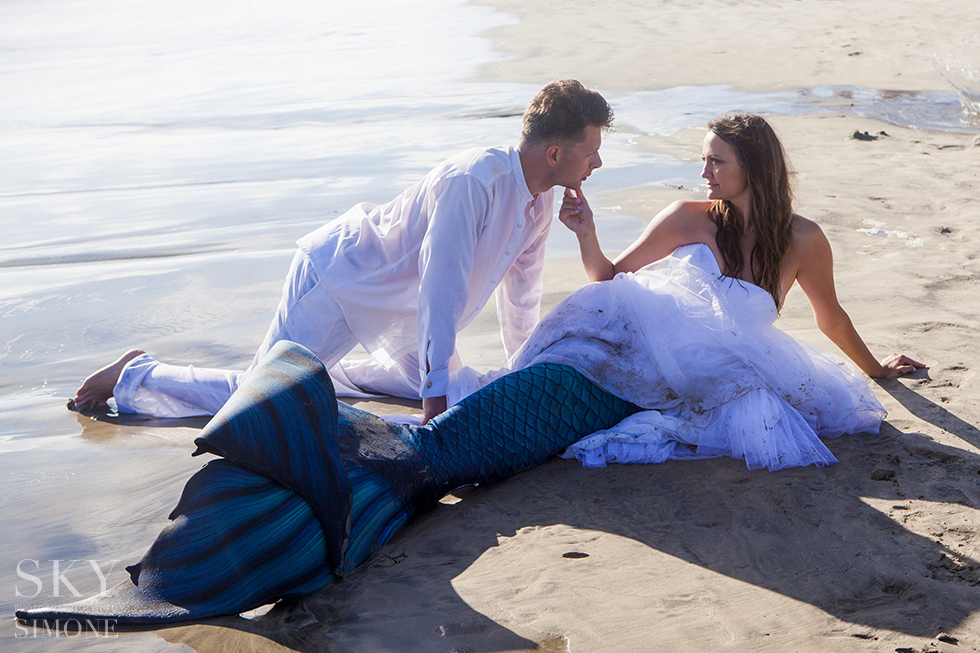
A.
pixel 97 388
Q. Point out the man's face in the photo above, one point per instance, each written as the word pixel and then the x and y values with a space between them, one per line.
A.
pixel 576 162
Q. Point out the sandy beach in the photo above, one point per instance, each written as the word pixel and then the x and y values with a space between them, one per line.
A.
pixel 878 553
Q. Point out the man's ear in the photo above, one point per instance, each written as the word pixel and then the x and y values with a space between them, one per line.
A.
pixel 553 154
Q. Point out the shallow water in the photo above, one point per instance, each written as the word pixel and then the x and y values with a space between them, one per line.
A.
pixel 155 172
pixel 935 111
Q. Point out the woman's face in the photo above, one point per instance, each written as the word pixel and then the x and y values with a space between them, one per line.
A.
pixel 725 176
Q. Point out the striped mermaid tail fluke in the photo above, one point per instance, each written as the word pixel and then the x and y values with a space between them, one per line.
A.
pixel 307 488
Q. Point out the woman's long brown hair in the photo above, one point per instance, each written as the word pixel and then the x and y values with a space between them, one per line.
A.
pixel 761 156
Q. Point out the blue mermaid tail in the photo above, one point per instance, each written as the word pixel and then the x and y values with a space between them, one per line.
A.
pixel 307 488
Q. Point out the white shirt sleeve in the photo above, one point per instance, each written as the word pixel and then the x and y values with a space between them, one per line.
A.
pixel 456 219
pixel 519 294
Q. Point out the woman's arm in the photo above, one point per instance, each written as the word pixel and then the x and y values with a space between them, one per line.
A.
pixel 816 277
pixel 681 223
pixel 576 214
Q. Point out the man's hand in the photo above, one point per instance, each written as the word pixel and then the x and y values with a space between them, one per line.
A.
pixel 432 406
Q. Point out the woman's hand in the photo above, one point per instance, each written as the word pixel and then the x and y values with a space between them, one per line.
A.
pixel 898 364
pixel 575 213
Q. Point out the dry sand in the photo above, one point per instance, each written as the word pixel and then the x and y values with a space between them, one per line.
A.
pixel 878 553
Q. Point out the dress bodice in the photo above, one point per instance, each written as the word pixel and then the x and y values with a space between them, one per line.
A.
pixel 753 297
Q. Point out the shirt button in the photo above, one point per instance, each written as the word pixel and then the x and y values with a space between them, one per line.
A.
pixel 428 385
pixel 519 225
pixel 507 253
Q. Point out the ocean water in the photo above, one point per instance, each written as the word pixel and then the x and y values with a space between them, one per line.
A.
pixel 157 163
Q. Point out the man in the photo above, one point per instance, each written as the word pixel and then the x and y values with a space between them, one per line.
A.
pixel 401 279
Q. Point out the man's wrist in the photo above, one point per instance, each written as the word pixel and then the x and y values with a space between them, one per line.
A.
pixel 434 384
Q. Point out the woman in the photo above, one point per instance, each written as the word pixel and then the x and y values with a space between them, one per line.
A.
pixel 307 488
pixel 749 225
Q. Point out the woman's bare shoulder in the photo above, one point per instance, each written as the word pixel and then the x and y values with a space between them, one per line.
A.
pixel 805 232
pixel 809 248
pixel 686 216
pixel 681 223
pixel 804 226
pixel 690 207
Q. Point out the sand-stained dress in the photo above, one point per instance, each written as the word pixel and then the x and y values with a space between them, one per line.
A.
pixel 701 353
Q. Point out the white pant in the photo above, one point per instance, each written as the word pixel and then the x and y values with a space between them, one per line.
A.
pixel 307 315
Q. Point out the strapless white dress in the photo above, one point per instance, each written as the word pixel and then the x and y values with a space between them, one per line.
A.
pixel 700 353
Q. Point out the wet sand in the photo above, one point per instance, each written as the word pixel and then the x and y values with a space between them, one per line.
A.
pixel 878 553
